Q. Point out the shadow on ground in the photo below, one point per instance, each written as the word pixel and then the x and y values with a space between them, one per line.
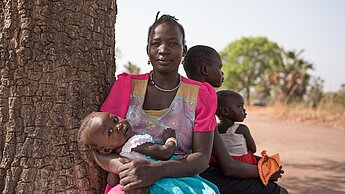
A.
pixel 332 180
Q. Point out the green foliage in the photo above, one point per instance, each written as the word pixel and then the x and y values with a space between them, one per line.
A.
pixel 246 61
pixel 315 92
pixel 290 76
pixel 132 68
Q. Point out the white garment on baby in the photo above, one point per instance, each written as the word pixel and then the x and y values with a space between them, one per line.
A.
pixel 134 142
pixel 235 143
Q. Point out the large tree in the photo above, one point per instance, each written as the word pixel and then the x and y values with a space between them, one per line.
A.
pixel 245 62
pixel 57 64
pixel 290 76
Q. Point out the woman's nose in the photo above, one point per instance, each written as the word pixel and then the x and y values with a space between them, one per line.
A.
pixel 163 48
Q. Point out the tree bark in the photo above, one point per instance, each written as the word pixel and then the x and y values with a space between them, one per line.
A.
pixel 57 65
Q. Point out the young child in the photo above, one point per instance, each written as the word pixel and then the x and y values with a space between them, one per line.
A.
pixel 107 133
pixel 237 137
pixel 203 63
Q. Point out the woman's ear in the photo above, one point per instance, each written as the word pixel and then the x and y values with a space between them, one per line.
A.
pixel 147 50
pixel 185 48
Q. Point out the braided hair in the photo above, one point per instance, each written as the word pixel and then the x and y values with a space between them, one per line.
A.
pixel 165 19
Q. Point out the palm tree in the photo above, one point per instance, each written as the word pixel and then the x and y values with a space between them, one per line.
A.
pixel 291 76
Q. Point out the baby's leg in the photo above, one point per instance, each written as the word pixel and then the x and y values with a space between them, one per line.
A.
pixel 113 179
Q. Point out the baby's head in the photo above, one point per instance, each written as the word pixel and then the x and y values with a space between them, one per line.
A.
pixel 104 132
pixel 203 63
pixel 230 106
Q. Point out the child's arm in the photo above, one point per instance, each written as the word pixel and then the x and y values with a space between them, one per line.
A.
pixel 244 130
pixel 157 151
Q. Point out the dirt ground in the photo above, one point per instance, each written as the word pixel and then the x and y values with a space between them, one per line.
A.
pixel 312 156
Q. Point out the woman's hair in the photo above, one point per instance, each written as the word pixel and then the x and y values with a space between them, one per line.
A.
pixel 85 137
pixel 166 19
pixel 196 57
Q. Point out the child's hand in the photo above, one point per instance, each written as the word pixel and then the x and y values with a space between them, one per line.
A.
pixel 277 174
pixel 168 132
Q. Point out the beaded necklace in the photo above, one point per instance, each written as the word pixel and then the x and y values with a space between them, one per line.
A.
pixel 162 89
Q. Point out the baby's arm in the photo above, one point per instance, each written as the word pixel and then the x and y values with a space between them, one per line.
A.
pixel 244 130
pixel 157 151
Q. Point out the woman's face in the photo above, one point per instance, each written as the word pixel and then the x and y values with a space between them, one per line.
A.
pixel 165 48
pixel 109 132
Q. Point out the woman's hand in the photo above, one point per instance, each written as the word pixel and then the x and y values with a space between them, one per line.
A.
pixel 137 173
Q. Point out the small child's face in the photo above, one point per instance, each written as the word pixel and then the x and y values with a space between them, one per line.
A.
pixel 215 77
pixel 236 108
pixel 109 132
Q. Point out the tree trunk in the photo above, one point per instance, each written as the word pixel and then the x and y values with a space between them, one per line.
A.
pixel 57 65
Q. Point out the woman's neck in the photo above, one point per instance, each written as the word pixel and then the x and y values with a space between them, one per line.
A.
pixel 167 81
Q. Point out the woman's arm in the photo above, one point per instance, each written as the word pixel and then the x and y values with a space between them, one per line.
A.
pixel 139 173
pixel 244 130
pixel 228 165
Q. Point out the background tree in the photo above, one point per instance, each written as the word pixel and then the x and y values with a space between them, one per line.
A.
pixel 315 92
pixel 56 65
pixel 132 68
pixel 290 75
pixel 245 62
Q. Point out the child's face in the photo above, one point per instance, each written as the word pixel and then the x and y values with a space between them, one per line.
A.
pixel 165 48
pixel 236 108
pixel 215 76
pixel 109 132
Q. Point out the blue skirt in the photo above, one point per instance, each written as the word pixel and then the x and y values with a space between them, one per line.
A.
pixel 190 185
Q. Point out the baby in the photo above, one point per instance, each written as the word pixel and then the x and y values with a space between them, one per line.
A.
pixel 106 133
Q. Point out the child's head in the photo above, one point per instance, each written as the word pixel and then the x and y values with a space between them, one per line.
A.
pixel 104 132
pixel 166 44
pixel 203 63
pixel 230 106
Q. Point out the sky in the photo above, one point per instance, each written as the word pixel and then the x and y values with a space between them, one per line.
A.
pixel 316 26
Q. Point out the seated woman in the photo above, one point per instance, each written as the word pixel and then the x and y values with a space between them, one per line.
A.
pixel 106 133
pixel 160 99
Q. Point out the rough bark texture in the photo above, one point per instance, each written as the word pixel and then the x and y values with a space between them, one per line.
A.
pixel 57 65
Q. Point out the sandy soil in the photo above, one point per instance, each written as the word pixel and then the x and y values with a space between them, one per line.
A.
pixel 312 156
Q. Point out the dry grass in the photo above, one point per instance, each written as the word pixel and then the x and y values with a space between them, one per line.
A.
pixel 326 115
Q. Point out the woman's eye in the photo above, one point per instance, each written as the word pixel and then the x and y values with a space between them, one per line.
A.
pixel 110 131
pixel 174 44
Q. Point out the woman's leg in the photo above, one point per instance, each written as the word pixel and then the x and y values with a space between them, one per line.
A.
pixel 227 184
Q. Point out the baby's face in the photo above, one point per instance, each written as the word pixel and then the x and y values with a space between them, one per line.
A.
pixel 109 131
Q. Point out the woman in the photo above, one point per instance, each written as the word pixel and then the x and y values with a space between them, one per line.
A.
pixel 162 99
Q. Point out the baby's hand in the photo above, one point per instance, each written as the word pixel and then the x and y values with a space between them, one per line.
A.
pixel 168 132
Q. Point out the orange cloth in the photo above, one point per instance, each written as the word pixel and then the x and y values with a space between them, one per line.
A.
pixel 267 166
